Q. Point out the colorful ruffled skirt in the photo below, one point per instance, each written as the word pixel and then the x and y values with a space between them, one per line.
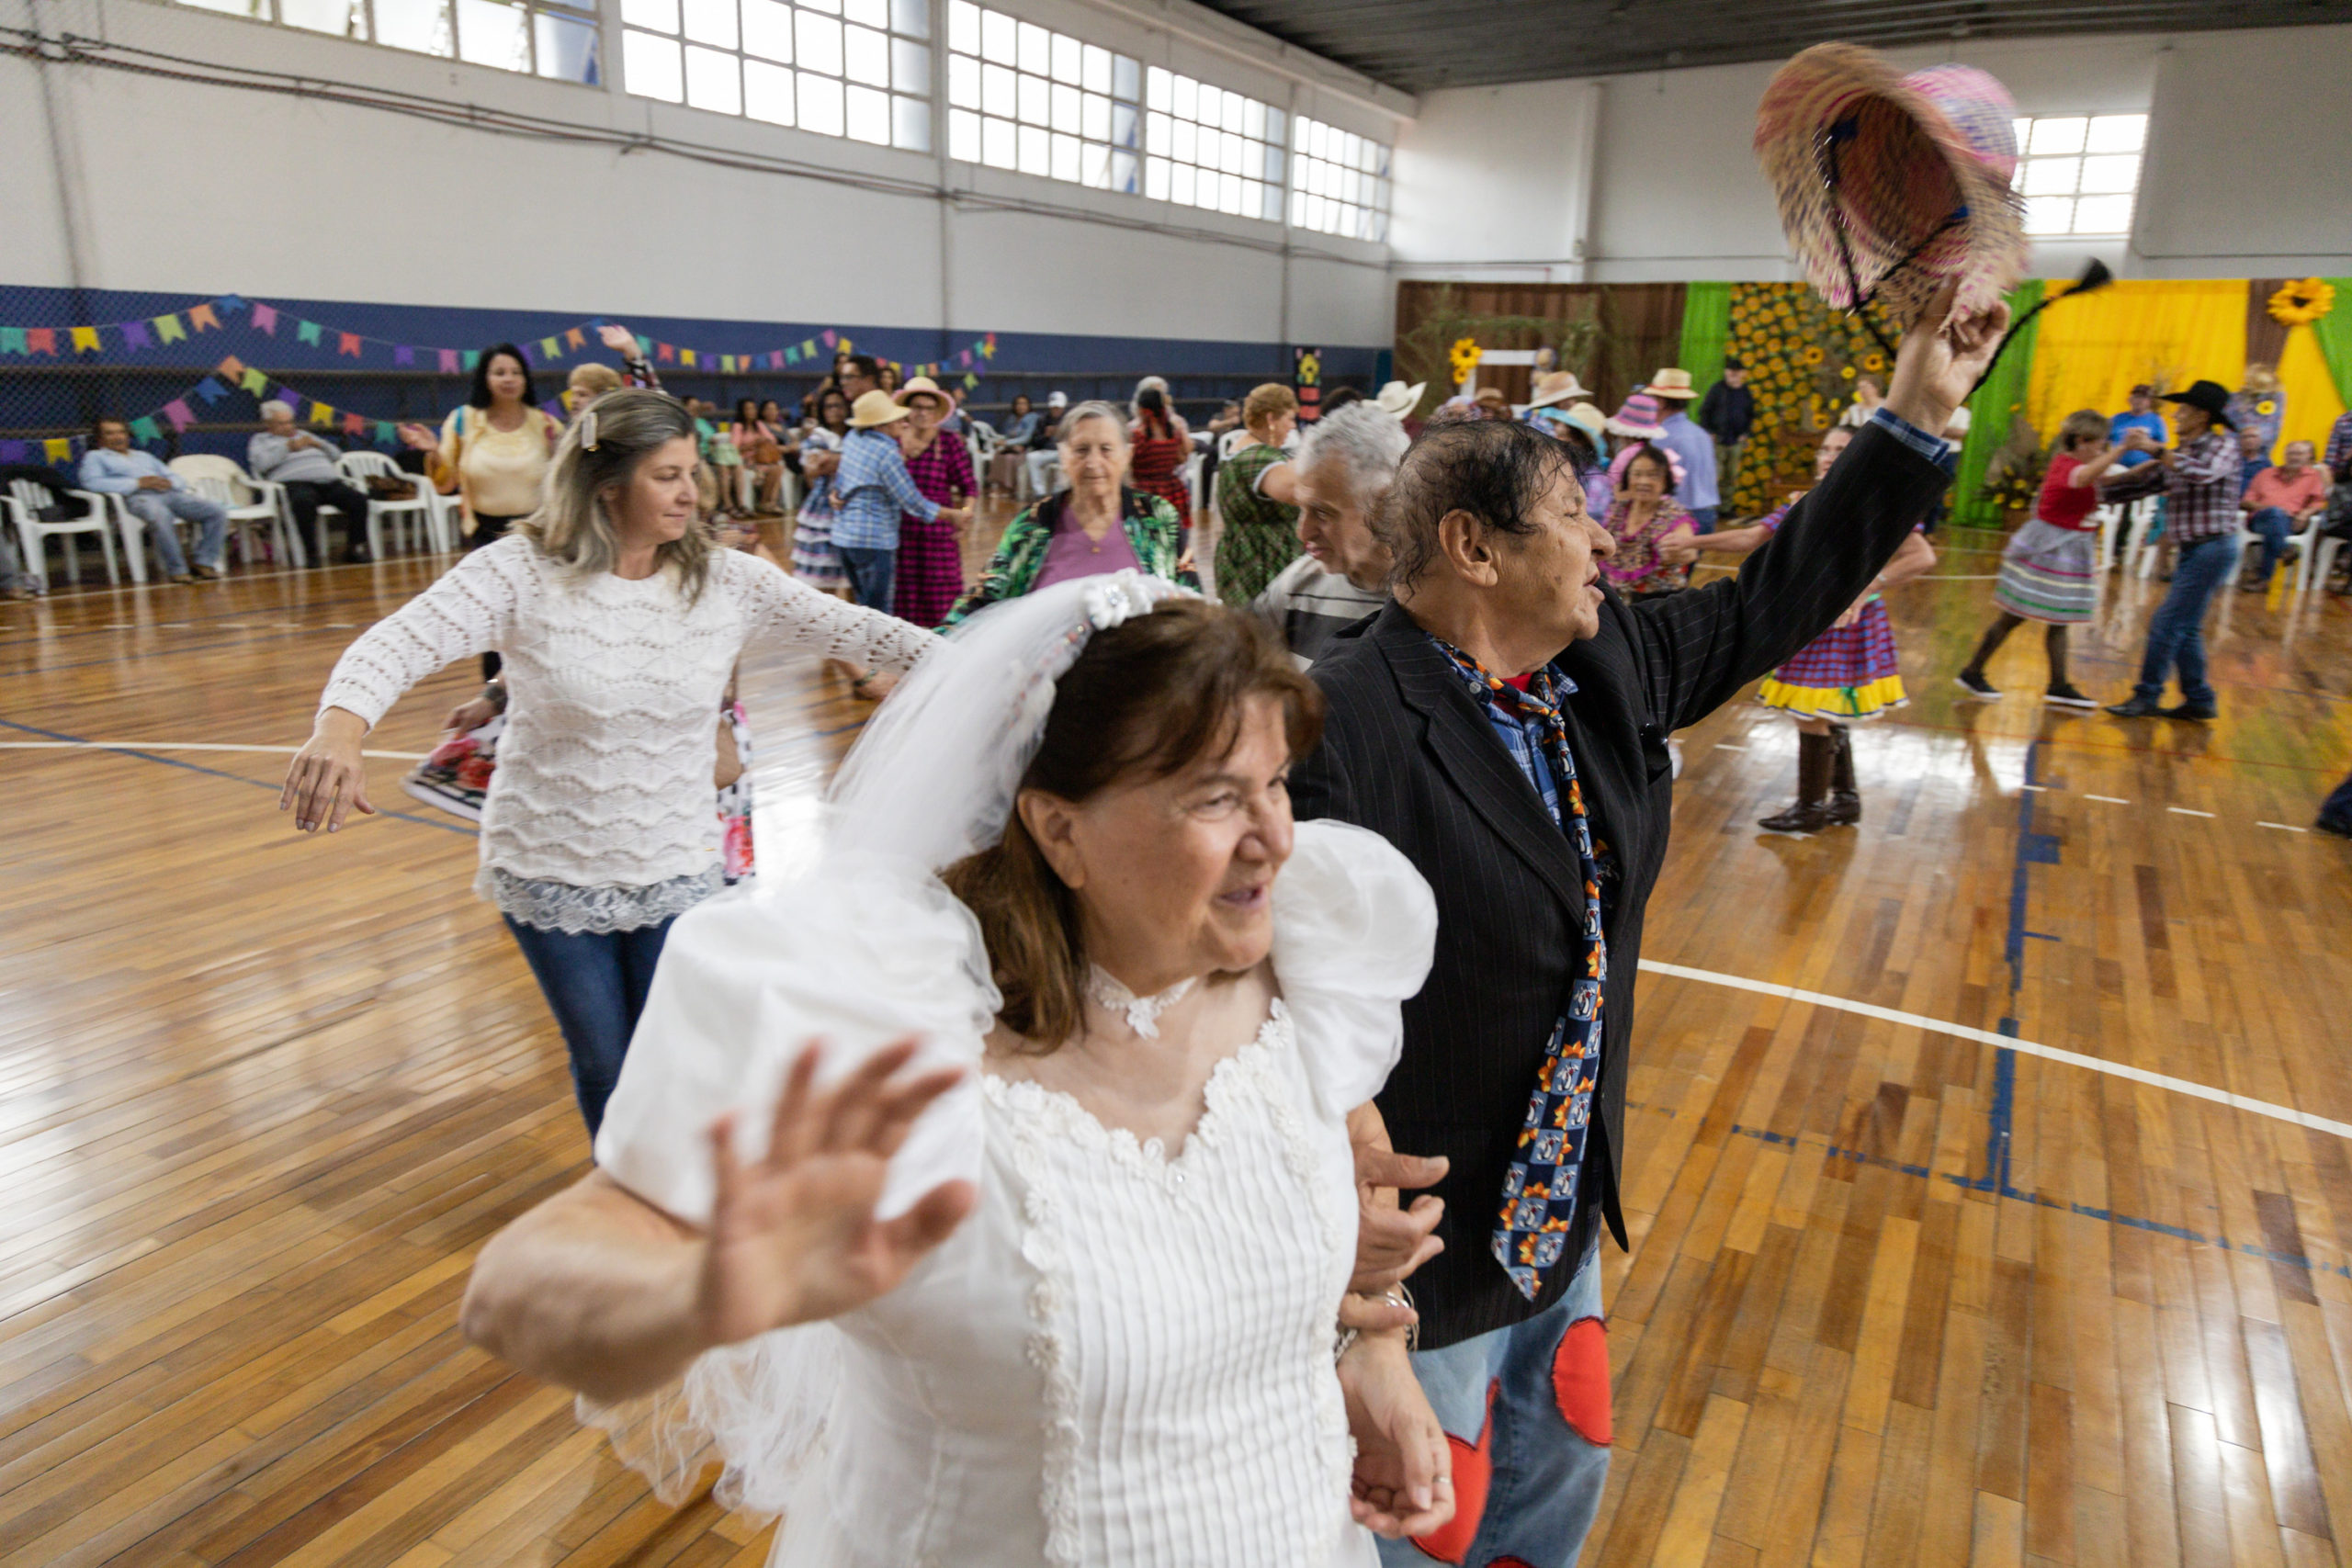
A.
pixel 814 560
pixel 1848 672
pixel 2047 574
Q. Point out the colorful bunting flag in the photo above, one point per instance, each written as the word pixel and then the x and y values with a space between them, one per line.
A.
pixel 828 335
pixel 203 317
pixel 448 362
pixel 211 391
pixel 792 357
pixel 644 347
pixel 347 343
pixel 254 381
pixel 809 347
pixel 143 430
pixel 404 355
pixel 551 349
pixel 320 414
pixel 168 329
pixel 85 340
pixel 180 415
pixel 41 340
pixel 988 346
pixel 56 449
pixel 353 425
pixel 386 433
pixel 575 338
pixel 265 319
pixel 686 357
pixel 15 452
pixel 472 357
pixel 134 335
pixel 775 360
pixel 664 352
pixel 12 340
pixel 306 332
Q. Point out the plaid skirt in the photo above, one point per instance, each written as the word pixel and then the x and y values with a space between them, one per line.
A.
pixel 2047 574
pixel 931 572
pixel 814 560
pixel 1848 672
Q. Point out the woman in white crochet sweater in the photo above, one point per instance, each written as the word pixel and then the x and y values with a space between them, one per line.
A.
pixel 619 625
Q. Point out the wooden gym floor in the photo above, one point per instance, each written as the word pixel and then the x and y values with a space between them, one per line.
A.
pixel 1911 1283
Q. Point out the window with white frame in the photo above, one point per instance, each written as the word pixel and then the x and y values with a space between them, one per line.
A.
pixel 1024 98
pixel 1339 181
pixel 854 68
pixel 2080 173
pixel 555 38
pixel 1206 147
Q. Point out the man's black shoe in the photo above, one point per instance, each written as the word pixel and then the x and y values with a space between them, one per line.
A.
pixel 2331 825
pixel 2137 707
pixel 2203 712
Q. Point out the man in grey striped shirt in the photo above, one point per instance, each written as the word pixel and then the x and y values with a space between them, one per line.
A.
pixel 1345 465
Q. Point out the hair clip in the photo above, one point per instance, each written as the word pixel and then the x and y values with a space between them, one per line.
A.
pixel 588 431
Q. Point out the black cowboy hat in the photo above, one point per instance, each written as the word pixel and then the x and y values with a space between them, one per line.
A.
pixel 2210 396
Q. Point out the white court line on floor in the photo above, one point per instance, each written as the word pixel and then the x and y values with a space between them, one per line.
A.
pixel 2283 827
pixel 177 745
pixel 2187 811
pixel 2024 1047
pixel 2111 799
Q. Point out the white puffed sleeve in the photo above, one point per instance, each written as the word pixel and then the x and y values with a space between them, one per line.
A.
pixel 859 959
pixel 1354 928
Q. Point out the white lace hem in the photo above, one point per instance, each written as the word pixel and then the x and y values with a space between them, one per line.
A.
pixel 599 911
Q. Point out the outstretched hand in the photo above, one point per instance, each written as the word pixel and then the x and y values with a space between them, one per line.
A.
pixel 792 1234
pixel 1940 359
pixel 617 338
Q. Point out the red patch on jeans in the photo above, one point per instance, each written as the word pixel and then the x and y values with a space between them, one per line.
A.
pixel 1473 1472
pixel 1580 1381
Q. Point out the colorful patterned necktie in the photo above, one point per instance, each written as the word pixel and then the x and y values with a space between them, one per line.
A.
pixel 1539 1192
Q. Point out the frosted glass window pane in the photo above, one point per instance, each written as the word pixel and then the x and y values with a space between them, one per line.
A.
pixel 662 16
pixel 1180 183
pixel 1036 151
pixel 1272 169
pixel 1253 120
pixel 1094 118
pixel 1157 173
pixel 420 25
pixel 910 65
pixel 490 33
pixel 1186 145
pixel 2058 135
pixel 2117 172
pixel 964 136
pixel 869 116
pixel 1094 160
pixel 2103 215
pixel 1036 100
pixel 962 81
pixel 820 39
pixel 1000 38
pixel 2118 133
pixel 1094 69
pixel 911 18
pixel 2023 130
pixel 1187 102
pixel 650 68
pixel 998 144
pixel 2049 214
pixel 1239 156
pixel 767 92
pixel 999 90
pixel 1234 110
pixel 1271 198
pixel 875 14
pixel 1066 157
pixel 1127 77
pixel 714 81
pixel 1160 135
pixel 340 18
pixel 1066 109
pixel 711 22
pixel 1163 90
pixel 820 101
pixel 1231 194
pixel 2051 177
pixel 865 56
pixel 911 123
pixel 963 26
pixel 1206 106
pixel 1123 173
pixel 1036 49
pixel 1274 126
pixel 567 47
pixel 1298 210
pixel 1066 51
pixel 1123 124
pixel 767 29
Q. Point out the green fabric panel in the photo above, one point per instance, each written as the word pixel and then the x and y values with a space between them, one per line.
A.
pixel 1706 327
pixel 1998 402
pixel 2333 330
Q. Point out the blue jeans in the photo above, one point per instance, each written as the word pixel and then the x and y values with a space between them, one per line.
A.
pixel 158 508
pixel 1526 1412
pixel 2276 528
pixel 873 576
pixel 2176 631
pixel 596 984
pixel 1703 518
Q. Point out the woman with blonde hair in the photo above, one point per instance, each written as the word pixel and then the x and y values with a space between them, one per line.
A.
pixel 1257 498
pixel 621 626
pixel 2259 405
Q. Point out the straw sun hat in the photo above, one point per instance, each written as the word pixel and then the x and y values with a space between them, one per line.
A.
pixel 1890 186
pixel 875 408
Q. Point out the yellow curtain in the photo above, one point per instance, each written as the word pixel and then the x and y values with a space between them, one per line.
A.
pixel 2093 350
pixel 2312 402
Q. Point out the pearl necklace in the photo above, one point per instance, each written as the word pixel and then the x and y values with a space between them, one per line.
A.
pixel 1142 1012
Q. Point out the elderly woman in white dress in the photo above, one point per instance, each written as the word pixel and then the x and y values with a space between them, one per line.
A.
pixel 621 626
pixel 1065 1291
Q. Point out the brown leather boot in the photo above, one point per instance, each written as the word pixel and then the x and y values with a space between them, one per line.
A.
pixel 1809 815
pixel 1845 803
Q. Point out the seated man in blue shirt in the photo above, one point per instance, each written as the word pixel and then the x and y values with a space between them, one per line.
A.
pixel 157 497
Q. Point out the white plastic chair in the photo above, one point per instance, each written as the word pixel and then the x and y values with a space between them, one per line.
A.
pixel 356 468
pixel 22 505
pixel 251 503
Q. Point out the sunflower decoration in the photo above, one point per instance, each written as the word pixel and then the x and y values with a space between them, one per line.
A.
pixel 1464 355
pixel 1844 372
pixel 1875 361
pixel 2302 302
pixel 1812 355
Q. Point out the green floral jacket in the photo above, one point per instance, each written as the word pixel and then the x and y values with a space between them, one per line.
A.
pixel 1152 532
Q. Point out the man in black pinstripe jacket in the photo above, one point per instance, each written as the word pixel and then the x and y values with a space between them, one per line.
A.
pixel 1429 743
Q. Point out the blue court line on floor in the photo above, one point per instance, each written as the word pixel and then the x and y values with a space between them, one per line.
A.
pixel 212 773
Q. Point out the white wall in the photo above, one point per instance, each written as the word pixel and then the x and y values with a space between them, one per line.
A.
pixel 2233 186
pixel 179 186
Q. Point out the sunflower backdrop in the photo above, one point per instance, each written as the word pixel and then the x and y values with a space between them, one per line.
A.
pixel 1803 361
